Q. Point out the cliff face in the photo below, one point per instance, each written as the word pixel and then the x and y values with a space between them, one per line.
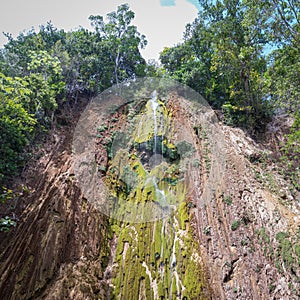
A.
pixel 249 234
pixel 200 212
pixel 59 248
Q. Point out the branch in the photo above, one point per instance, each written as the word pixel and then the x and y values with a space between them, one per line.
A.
pixel 292 5
pixel 288 26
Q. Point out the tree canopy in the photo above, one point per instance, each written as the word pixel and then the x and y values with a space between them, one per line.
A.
pixel 39 71
pixel 241 55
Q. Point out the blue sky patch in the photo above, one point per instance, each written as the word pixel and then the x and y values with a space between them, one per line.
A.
pixel 173 3
pixel 167 2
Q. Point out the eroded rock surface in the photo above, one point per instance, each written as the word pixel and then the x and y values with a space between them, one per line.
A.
pixel 59 248
pixel 235 235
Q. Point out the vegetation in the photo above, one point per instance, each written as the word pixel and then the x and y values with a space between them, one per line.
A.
pixel 40 71
pixel 226 57
pixel 235 225
pixel 6 223
pixel 243 57
pixel 291 153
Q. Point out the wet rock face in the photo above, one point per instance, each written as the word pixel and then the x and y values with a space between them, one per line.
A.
pixel 156 256
pixel 234 235
pixel 247 232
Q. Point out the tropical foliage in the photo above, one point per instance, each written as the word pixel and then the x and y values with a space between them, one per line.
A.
pixel 39 71
pixel 241 55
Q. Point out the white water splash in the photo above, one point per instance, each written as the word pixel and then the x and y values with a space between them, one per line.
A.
pixel 161 197
pixel 154 105
pixel 153 282
pixel 180 288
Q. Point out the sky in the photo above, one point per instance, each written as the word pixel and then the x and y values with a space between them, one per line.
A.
pixel 161 21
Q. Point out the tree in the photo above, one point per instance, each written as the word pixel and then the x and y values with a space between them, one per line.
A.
pixel 16 123
pixel 122 42
pixel 39 69
pixel 282 79
pixel 27 104
pixel 91 61
pixel 183 64
pixel 222 58
pixel 278 19
pixel 46 81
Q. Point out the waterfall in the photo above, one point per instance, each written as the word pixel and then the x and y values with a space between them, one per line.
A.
pixel 180 288
pixel 160 197
pixel 154 105
pixel 159 255
pixel 159 194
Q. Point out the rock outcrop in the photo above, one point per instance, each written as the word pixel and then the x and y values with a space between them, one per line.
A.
pixel 60 246
pixel 233 234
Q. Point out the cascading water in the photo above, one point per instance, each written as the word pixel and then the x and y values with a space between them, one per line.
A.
pixel 152 258
pixel 154 105
pixel 147 158
pixel 160 194
pixel 161 197
pixel 180 288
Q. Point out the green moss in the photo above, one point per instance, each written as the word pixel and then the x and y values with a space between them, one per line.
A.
pixel 174 288
pixel 168 144
pixel 161 290
pixel 157 237
pixel 125 235
pixel 183 215
pixel 194 281
pixel 138 168
pixel 228 200
pixel 235 225
pixel 129 177
pixel 263 235
pixel 297 252
pixel 145 124
pixel 285 249
pixel 149 251
pixel 115 229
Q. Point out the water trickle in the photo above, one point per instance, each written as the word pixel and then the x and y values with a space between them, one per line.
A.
pixel 180 288
pixel 163 237
pixel 162 259
pixel 173 270
pixel 154 105
pixel 153 282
